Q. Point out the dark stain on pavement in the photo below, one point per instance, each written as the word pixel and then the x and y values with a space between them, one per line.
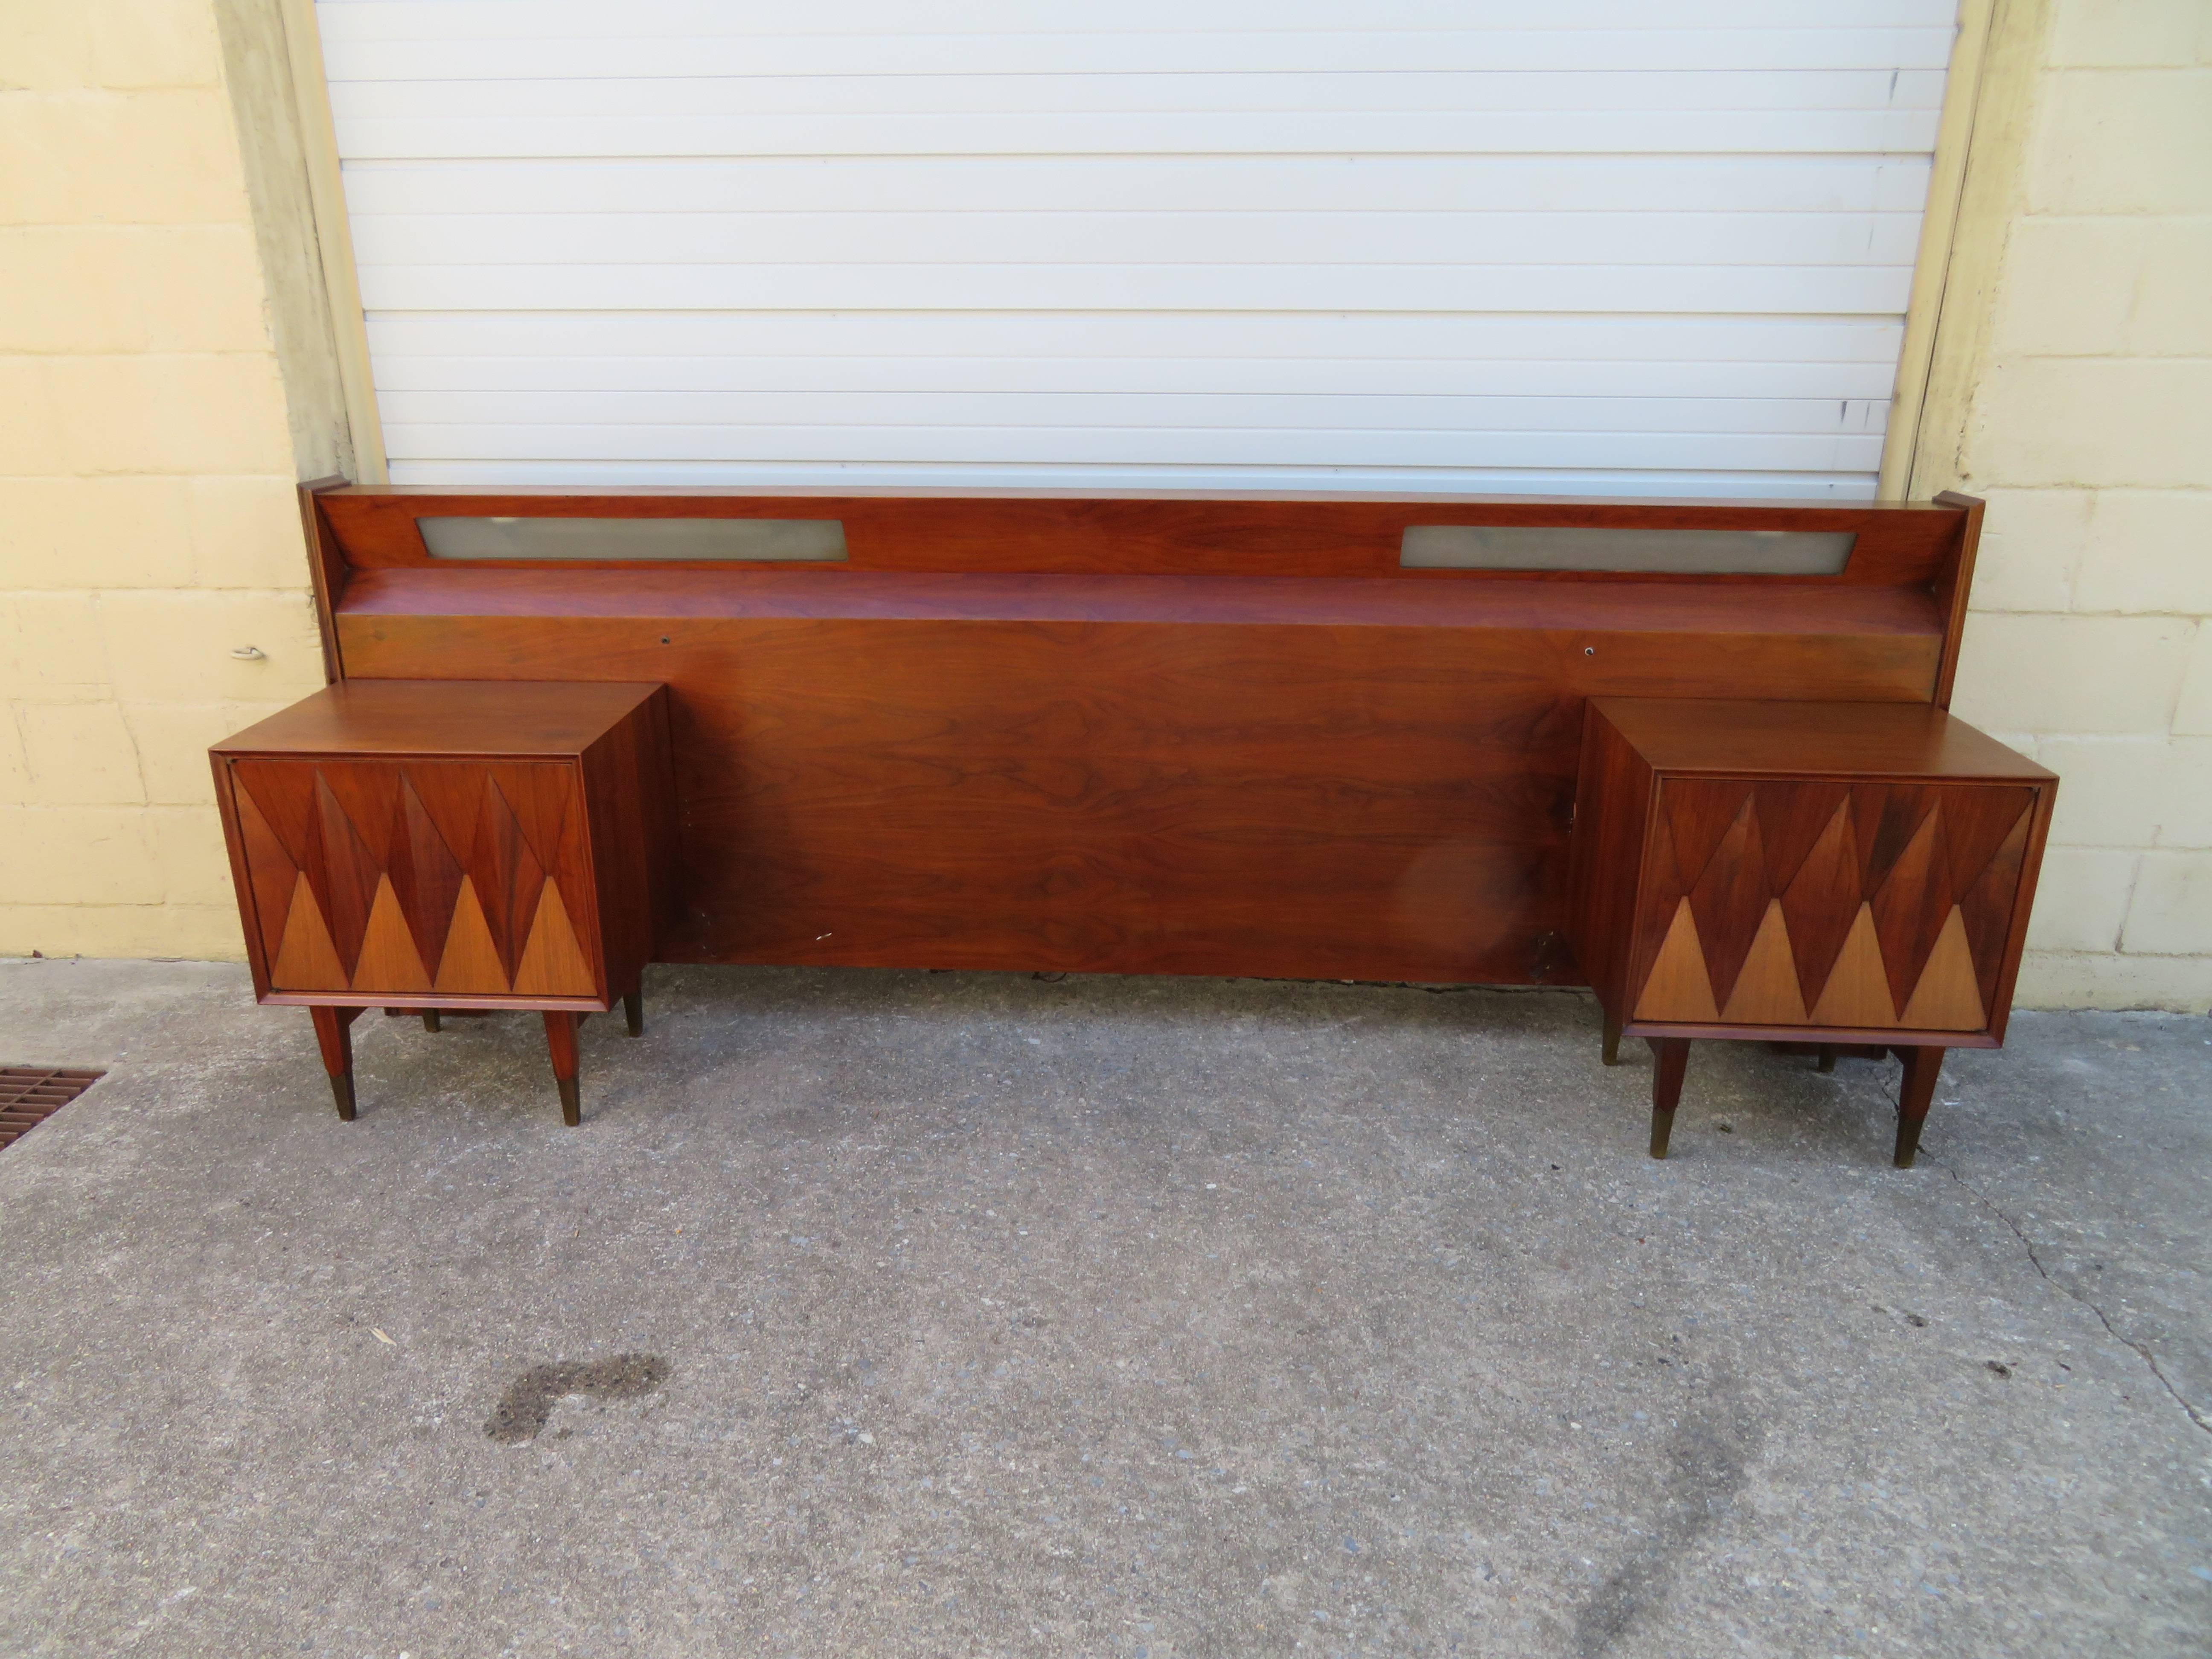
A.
pixel 523 1409
pixel 1708 1460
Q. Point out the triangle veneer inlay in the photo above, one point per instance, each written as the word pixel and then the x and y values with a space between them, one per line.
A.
pixel 349 874
pixel 1858 991
pixel 285 793
pixel 538 796
pixel 450 794
pixel 1946 1000
pixel 388 960
pixel 1977 824
pixel 307 960
pixel 425 874
pixel 1821 902
pixel 268 868
pixel 470 964
pixel 1766 992
pixel 1729 901
pixel 1678 988
pixel 1885 819
pixel 1910 909
pixel 366 792
pixel 553 963
pixel 1988 906
pixel 1699 813
pixel 1792 817
pixel 507 876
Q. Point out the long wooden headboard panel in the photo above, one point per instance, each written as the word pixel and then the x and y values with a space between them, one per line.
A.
pixel 1138 735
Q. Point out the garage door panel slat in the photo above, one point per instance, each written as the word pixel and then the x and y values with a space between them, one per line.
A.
pixel 1141 411
pixel 1747 288
pixel 1869 132
pixel 1033 237
pixel 1650 186
pixel 499 21
pixel 536 375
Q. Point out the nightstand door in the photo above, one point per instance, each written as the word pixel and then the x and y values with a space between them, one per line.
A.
pixel 1858 905
pixel 406 877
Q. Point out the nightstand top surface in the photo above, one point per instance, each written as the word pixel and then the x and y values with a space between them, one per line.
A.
pixel 1774 739
pixel 553 719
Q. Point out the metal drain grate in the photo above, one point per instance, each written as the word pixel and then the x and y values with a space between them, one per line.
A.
pixel 29 1095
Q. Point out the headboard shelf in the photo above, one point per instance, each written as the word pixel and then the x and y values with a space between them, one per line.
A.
pixel 1357 536
pixel 1623 607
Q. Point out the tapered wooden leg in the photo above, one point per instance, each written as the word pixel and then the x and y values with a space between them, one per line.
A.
pixel 1610 1053
pixel 561 1039
pixel 429 1019
pixel 634 1011
pixel 335 1040
pixel 1913 1099
pixel 1827 1062
pixel 1672 1057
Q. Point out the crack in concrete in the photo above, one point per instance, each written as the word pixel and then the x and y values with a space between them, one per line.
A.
pixel 2142 1350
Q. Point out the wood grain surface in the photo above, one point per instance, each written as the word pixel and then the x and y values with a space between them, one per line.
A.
pixel 1137 735
pixel 499 714
pixel 1899 545
pixel 451 844
pixel 1834 868
pixel 1328 799
pixel 1790 739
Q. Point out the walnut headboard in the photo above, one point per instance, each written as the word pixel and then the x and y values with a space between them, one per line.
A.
pixel 1152 735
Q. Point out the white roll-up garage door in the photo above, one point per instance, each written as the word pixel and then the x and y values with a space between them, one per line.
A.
pixel 1587 246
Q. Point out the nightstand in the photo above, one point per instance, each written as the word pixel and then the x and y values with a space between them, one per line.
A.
pixel 1833 873
pixel 452 844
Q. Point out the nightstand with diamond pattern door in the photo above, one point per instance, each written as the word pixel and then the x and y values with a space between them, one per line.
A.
pixel 1842 874
pixel 449 844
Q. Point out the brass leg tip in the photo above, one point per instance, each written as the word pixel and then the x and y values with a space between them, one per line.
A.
pixel 572 1101
pixel 342 1092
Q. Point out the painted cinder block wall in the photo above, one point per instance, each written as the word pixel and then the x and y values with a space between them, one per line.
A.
pixel 163 384
pixel 2088 428
pixel 148 518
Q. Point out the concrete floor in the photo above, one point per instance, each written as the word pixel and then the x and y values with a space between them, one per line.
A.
pixel 888 1313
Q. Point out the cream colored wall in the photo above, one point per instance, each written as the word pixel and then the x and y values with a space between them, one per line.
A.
pixel 147 522
pixel 2082 410
pixel 167 371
